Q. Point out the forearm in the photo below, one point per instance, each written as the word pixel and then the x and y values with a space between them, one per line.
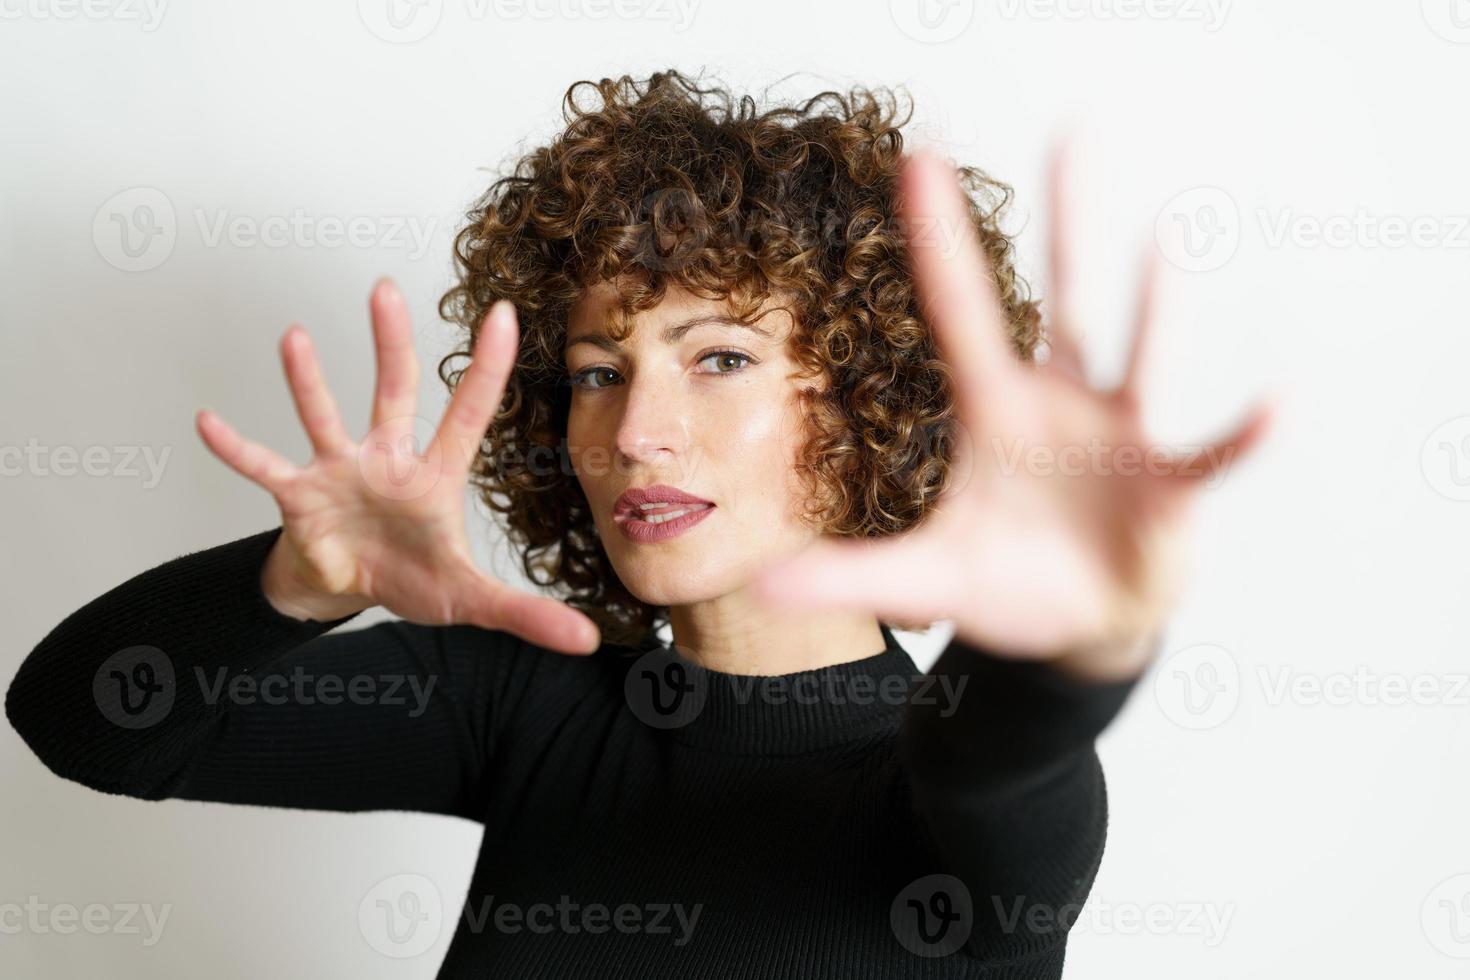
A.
pixel 119 693
pixel 1008 785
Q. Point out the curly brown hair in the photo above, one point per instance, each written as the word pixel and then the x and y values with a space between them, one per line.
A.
pixel 667 181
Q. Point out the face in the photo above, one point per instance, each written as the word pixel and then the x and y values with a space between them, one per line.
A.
pixel 684 437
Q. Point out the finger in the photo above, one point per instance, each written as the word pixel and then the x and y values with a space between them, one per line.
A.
pixel 537 619
pixel 861 574
pixel 1135 375
pixel 251 460
pixel 396 396
pixel 1211 463
pixel 956 285
pixel 1010 585
pixel 1059 235
pixel 1064 353
pixel 477 396
pixel 314 402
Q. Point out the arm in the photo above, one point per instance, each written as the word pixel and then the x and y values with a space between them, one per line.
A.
pixel 248 705
pixel 1010 791
pixel 209 677
pixel 1057 549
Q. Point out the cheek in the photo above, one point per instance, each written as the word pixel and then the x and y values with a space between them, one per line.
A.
pixel 590 449
pixel 761 448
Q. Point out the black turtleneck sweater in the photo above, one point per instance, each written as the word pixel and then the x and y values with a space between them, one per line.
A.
pixel 644 817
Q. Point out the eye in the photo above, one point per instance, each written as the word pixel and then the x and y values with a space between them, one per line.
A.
pixel 723 361
pixel 585 378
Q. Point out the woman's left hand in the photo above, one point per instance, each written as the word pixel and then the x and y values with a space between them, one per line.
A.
pixel 1063 532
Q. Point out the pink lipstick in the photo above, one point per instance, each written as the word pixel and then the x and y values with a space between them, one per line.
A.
pixel 659 512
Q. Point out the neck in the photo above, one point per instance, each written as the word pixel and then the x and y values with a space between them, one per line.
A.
pixel 735 634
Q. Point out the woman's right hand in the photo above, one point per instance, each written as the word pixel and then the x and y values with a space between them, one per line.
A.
pixel 376 523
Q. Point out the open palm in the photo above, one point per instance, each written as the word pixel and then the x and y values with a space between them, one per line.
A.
pixel 1062 534
pixel 381 522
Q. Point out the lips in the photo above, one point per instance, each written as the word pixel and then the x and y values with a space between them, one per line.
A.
pixel 658 512
pixel 657 499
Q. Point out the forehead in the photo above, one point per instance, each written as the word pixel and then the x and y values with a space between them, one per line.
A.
pixel 597 311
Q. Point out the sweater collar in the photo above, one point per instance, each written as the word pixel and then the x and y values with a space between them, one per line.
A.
pixel 782 714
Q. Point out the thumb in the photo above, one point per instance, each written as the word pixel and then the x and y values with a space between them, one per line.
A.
pixel 900 578
pixel 537 619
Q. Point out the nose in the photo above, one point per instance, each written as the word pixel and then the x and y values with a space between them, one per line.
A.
pixel 654 427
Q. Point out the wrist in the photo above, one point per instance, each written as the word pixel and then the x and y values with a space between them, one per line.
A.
pixel 1107 663
pixel 287 592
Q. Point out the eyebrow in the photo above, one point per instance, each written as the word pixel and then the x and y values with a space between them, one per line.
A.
pixel 672 334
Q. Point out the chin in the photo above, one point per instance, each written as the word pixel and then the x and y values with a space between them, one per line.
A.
pixel 676 578
pixel 697 567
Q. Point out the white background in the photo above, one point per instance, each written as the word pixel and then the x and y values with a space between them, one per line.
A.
pixel 1324 832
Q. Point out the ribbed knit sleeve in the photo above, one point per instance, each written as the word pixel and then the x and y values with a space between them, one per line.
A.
pixel 1007 783
pixel 186 682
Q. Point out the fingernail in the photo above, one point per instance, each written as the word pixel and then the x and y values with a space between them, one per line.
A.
pixel 503 312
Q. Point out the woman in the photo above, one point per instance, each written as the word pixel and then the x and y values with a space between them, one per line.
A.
pixel 774 390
